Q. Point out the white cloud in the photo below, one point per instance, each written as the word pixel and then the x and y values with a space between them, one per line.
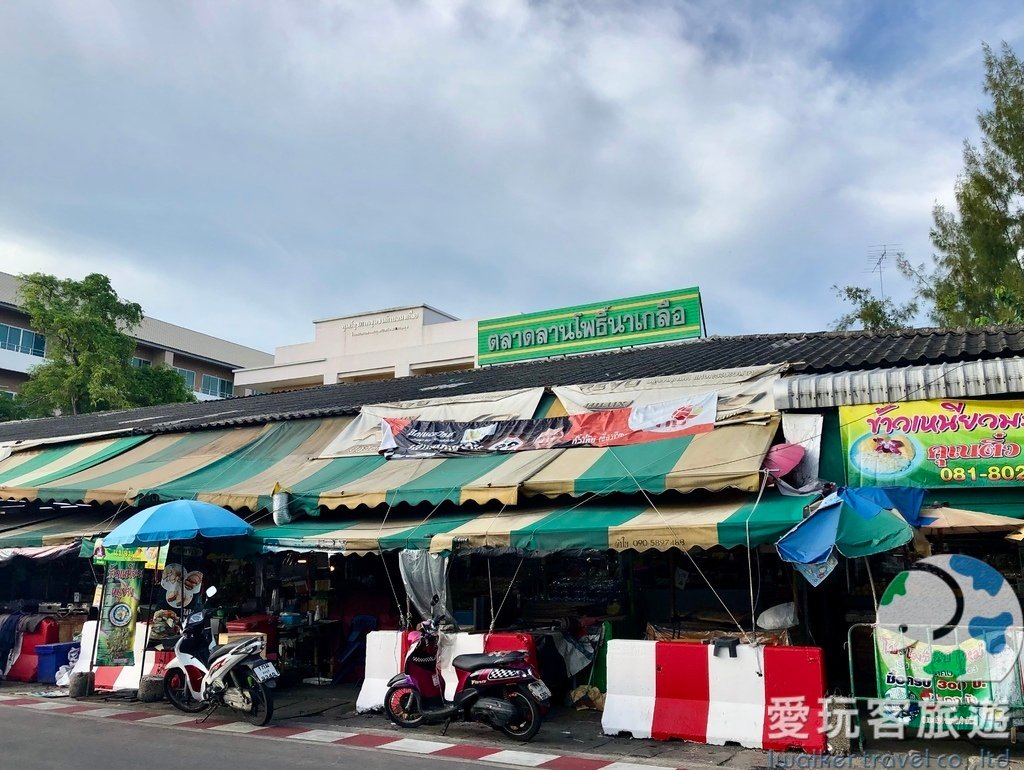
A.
pixel 253 169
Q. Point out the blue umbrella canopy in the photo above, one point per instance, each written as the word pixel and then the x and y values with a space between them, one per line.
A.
pixel 177 520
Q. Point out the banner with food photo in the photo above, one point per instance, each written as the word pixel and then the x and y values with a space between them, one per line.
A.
pixel 947 443
pixel 122 593
pixel 177 593
pixel 405 438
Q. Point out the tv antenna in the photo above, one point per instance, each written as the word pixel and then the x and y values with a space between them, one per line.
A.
pixel 878 257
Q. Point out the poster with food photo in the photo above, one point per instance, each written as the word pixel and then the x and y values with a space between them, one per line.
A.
pixel 178 593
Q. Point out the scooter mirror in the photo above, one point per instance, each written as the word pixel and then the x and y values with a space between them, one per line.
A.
pixel 435 600
pixel 211 592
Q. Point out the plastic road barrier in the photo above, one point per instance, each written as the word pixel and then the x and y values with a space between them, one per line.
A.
pixel 147 662
pixel 758 697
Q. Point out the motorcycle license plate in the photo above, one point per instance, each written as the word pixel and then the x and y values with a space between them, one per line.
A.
pixel 265 671
pixel 540 691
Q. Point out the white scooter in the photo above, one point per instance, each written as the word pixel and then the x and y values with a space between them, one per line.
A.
pixel 204 676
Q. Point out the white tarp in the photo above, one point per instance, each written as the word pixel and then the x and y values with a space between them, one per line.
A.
pixel 363 435
pixel 741 392
pixel 805 430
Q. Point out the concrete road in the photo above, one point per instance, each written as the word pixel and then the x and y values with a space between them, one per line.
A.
pixel 40 741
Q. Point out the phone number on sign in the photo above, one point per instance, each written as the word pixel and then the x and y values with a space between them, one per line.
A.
pixel 991 473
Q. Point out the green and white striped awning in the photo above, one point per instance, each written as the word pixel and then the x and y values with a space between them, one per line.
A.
pixel 734 520
pixel 240 468
pixel 27 474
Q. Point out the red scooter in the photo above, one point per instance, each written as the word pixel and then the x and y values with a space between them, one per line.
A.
pixel 499 689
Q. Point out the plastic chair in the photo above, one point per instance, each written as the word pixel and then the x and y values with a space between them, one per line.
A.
pixel 353 654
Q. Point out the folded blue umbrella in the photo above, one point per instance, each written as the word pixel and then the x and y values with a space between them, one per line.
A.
pixel 849 522
pixel 907 501
pixel 177 520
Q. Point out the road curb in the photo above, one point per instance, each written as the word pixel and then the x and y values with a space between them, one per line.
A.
pixel 509 755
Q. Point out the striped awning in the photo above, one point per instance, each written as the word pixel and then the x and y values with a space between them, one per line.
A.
pixel 28 475
pixel 728 457
pixel 54 527
pixel 162 458
pixel 242 467
pixel 356 537
pixel 728 520
pixel 734 520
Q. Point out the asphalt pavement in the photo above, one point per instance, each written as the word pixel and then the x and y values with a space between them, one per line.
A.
pixel 39 741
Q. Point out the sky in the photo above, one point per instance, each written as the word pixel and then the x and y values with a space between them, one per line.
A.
pixel 245 168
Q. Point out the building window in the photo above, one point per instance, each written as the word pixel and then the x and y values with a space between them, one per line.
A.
pixel 215 386
pixel 189 375
pixel 140 362
pixel 8 394
pixel 22 340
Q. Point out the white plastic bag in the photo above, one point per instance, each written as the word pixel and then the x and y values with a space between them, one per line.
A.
pixel 778 617
pixel 63 676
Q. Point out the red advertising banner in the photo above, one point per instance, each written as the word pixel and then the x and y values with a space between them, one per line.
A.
pixel 405 438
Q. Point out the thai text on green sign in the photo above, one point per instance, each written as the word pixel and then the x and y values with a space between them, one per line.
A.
pixel 946 443
pixel 122 593
pixel 645 320
pixel 154 556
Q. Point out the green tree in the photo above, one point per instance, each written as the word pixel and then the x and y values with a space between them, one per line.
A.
pixel 88 349
pixel 978 276
pixel 154 385
pixel 871 313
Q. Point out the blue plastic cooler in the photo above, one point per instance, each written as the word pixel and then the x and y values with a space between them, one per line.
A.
pixel 51 658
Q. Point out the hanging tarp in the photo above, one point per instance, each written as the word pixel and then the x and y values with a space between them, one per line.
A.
pixel 740 392
pixel 24 474
pixel 729 520
pixel 160 460
pixel 363 436
pixel 358 536
pixel 686 416
pixel 39 553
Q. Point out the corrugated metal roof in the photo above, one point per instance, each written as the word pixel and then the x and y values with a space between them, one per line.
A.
pixel 166 335
pixel 806 353
pixel 965 379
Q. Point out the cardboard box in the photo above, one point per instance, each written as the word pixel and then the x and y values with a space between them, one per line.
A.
pixel 237 637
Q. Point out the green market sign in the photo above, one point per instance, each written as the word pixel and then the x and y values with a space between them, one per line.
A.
pixel 644 320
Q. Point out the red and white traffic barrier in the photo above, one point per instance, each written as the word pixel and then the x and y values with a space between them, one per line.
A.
pixel 761 697
pixel 148 662
pixel 23 664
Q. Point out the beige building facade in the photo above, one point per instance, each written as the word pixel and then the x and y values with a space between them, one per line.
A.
pixel 378 345
pixel 205 362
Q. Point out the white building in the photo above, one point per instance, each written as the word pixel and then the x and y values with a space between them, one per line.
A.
pixel 380 345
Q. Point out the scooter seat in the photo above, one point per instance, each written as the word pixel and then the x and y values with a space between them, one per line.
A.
pixel 487 660
pixel 221 650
